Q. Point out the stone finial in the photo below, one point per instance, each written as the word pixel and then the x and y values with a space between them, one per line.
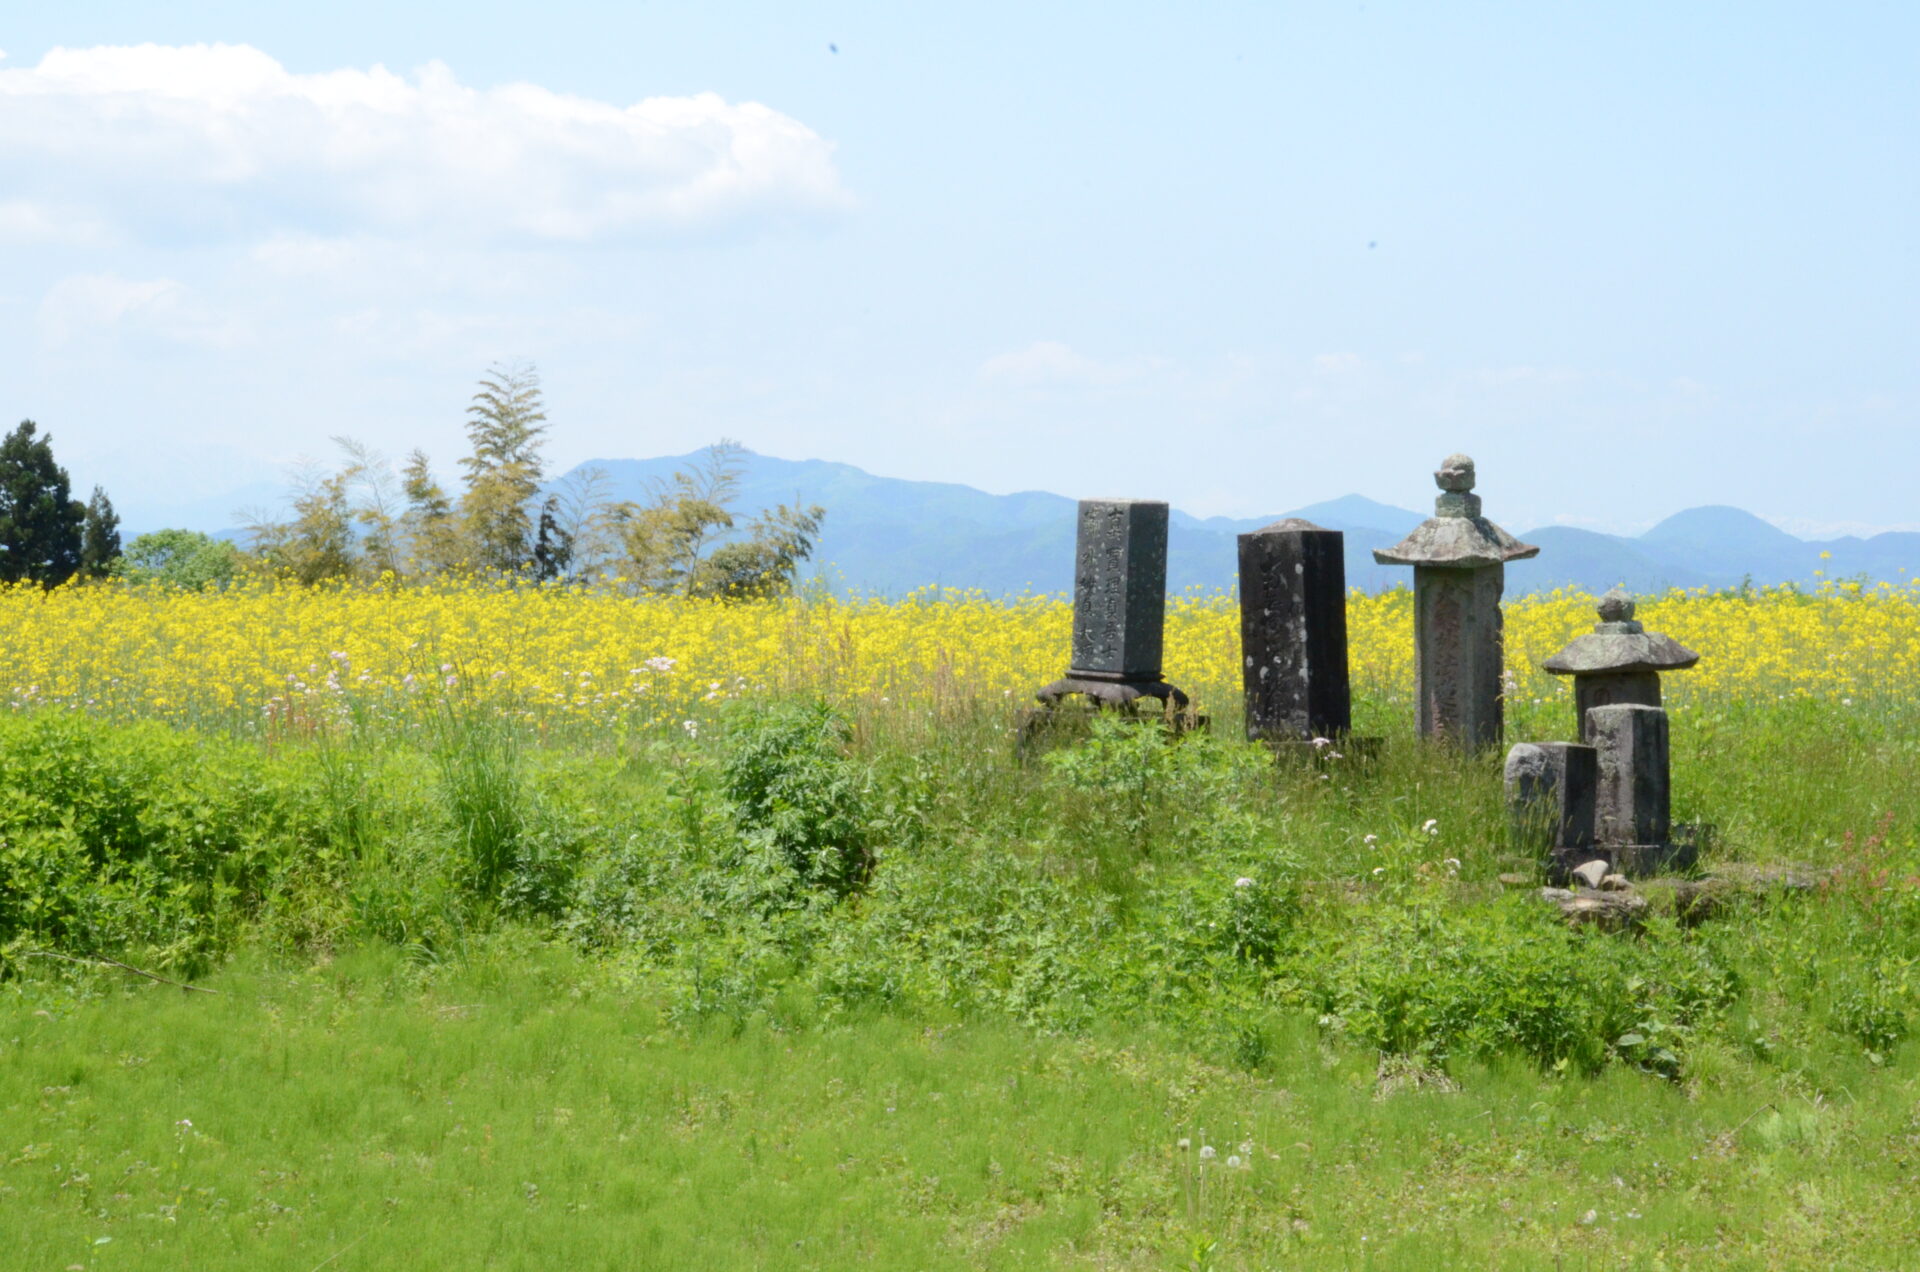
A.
pixel 1616 607
pixel 1455 474
pixel 1456 536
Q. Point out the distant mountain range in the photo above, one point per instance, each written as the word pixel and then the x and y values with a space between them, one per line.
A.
pixel 888 536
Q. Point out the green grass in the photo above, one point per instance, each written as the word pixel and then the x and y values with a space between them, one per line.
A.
pixel 521 1108
pixel 812 990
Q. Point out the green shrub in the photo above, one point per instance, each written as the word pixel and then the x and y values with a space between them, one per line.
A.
pixel 798 798
pixel 1435 982
pixel 129 835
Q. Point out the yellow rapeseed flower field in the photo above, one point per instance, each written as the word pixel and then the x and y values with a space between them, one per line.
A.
pixel 263 653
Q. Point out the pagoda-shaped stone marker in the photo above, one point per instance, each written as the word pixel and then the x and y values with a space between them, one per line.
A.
pixel 1618 663
pixel 1293 632
pixel 1459 567
pixel 1119 606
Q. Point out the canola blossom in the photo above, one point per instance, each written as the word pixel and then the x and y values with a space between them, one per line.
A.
pixel 260 654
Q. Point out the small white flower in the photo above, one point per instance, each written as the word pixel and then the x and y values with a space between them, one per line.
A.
pixel 1233 1160
pixel 1371 840
pixel 1206 1153
pixel 1183 1143
pixel 692 728
pixel 1322 743
pixel 1432 826
pixel 1243 882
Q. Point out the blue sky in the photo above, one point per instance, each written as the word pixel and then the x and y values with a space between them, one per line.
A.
pixel 1633 258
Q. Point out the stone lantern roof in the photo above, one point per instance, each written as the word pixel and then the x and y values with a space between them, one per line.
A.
pixel 1456 536
pixel 1619 644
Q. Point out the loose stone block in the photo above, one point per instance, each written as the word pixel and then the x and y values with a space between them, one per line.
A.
pixel 1293 632
pixel 1634 802
pixel 1458 559
pixel 1550 800
pixel 1119 589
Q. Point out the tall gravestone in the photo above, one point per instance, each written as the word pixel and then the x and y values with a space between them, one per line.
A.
pixel 1119 605
pixel 1459 571
pixel 1293 632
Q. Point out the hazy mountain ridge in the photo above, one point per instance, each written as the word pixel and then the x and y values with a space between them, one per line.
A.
pixel 890 536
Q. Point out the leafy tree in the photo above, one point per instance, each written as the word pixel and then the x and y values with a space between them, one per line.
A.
pixel 765 562
pixel 40 521
pixel 374 501
pixel 179 558
pixel 317 543
pixel 431 530
pixel 684 516
pixel 99 536
pixel 681 539
pixel 506 425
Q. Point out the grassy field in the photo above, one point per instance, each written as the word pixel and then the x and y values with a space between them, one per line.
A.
pixel 809 968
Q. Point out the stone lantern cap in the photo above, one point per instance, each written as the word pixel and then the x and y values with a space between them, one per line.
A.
pixel 1456 535
pixel 1619 644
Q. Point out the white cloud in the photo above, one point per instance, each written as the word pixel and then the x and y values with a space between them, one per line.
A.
pixel 82 305
pixel 1051 362
pixel 214 140
pixel 23 221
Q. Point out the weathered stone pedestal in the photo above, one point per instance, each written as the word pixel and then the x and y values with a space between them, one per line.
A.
pixel 1119 607
pixel 1633 821
pixel 1458 559
pixel 1293 633
pixel 1551 790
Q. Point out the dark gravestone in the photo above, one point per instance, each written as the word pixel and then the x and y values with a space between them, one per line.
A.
pixel 1119 605
pixel 1293 632
pixel 1459 568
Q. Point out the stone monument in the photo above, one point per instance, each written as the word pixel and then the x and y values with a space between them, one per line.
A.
pixel 1293 632
pixel 1618 663
pixel 1551 790
pixel 1119 606
pixel 1459 566
pixel 1633 820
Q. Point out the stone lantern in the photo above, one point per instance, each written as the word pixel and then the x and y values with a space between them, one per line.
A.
pixel 1459 571
pixel 1618 663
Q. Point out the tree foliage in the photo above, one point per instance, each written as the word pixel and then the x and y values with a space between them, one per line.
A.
pixel 682 538
pixel 99 536
pixel 506 425
pixel 179 558
pixel 41 524
pixel 367 519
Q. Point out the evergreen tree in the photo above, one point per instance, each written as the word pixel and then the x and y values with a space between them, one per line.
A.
pixel 552 546
pixel 506 426
pixel 99 537
pixel 40 521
